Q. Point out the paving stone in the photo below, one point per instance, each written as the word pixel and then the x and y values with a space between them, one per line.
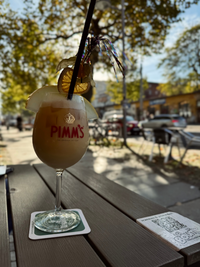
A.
pixel 159 178
pixel 148 180
pixel 11 239
pixel 132 186
pixel 171 176
pixel 12 246
pixel 190 210
pixel 13 264
pixel 12 256
pixel 169 195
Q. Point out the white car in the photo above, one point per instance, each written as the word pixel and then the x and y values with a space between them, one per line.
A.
pixel 164 121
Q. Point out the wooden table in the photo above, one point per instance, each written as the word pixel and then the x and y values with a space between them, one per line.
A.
pixel 110 210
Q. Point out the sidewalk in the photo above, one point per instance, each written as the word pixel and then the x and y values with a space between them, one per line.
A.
pixel 118 165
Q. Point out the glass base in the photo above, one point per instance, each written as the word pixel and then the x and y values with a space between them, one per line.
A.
pixel 57 221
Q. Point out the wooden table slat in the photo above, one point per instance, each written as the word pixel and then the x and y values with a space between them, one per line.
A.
pixel 130 203
pixel 29 194
pixel 192 254
pixel 4 235
pixel 118 238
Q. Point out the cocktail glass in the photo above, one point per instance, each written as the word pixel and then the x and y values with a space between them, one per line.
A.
pixel 60 139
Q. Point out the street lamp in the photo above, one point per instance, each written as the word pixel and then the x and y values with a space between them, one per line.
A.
pixel 102 5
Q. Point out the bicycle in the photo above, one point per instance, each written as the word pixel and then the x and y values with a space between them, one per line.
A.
pixel 98 135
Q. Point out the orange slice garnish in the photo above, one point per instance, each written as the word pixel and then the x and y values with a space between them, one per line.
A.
pixel 82 82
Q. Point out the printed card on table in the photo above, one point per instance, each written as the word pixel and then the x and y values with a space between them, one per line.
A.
pixel 176 230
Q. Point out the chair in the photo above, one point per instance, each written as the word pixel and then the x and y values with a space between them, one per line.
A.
pixel 147 137
pixel 167 137
pixel 187 140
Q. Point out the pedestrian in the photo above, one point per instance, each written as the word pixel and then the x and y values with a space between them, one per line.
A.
pixel 7 124
pixel 8 121
pixel 19 123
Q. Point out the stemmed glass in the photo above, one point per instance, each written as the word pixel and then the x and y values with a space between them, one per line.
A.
pixel 60 139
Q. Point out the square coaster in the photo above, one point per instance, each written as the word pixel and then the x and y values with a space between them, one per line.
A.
pixel 81 229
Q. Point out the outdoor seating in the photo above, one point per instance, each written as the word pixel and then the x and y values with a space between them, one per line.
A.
pixel 160 136
pixel 147 135
pixel 164 136
pixel 187 140
pixel 98 134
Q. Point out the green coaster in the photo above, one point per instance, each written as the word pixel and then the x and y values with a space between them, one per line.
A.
pixel 82 228
pixel 79 228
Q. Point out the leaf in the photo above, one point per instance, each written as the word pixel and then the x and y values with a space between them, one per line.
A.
pixel 182 58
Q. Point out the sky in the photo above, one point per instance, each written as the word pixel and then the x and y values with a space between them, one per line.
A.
pixel 190 18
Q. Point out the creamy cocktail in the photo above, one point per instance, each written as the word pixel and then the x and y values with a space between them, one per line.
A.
pixel 60 139
pixel 61 134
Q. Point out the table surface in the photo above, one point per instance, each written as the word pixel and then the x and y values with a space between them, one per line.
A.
pixel 110 210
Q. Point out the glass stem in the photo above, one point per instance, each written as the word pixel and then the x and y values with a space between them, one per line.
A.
pixel 59 173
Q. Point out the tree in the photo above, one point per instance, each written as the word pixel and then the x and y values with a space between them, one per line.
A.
pixel 34 40
pixel 26 63
pixel 182 63
pixel 176 85
pixel 115 90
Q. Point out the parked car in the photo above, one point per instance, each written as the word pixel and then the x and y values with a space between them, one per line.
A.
pixel 114 124
pixel 28 124
pixel 164 121
pixel 12 122
pixel 112 113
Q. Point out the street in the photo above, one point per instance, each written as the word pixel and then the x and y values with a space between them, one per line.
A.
pixel 20 149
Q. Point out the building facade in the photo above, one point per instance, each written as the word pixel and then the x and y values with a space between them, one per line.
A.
pixel 155 103
pixel 186 105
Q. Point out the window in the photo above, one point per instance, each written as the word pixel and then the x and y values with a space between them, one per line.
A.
pixel 184 109
pixel 129 118
pixel 162 118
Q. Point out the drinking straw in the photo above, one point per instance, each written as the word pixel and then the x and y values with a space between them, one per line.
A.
pixel 81 48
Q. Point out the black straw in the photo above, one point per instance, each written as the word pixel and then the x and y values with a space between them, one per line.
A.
pixel 81 48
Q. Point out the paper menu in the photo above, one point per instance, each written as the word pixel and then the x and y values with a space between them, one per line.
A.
pixel 176 230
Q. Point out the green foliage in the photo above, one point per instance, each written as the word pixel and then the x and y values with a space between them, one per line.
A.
pixel 26 62
pixel 115 90
pixel 33 41
pixel 176 85
pixel 182 64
